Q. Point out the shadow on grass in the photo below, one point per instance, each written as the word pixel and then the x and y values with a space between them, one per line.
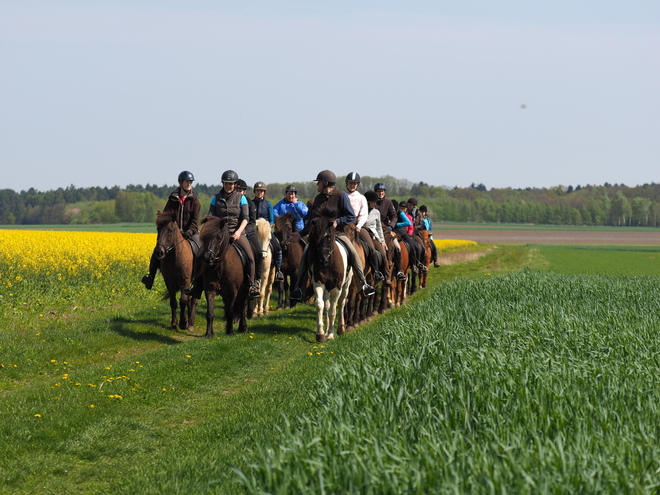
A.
pixel 121 326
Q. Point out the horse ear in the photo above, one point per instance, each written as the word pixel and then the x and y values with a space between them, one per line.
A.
pixel 204 220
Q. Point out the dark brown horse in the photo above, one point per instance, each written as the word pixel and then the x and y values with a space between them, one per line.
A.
pixel 224 275
pixel 285 225
pixel 426 241
pixel 176 264
pixel 356 302
pixel 331 275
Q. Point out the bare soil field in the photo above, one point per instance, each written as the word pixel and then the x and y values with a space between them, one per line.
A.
pixel 550 236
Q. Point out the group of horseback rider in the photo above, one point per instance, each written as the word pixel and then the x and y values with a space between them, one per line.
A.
pixel 369 213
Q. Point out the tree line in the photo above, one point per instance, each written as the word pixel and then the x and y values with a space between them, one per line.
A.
pixel 607 204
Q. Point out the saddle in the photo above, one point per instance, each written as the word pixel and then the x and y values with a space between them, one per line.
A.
pixel 241 253
pixel 349 252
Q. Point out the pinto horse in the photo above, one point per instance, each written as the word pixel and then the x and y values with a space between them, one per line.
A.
pixel 224 275
pixel 176 264
pixel 285 225
pixel 426 241
pixel 331 275
pixel 268 269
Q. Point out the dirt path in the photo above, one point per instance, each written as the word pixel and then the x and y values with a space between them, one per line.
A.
pixel 550 236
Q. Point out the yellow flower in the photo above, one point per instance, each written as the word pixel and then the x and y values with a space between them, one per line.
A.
pixel 37 415
pixel 91 405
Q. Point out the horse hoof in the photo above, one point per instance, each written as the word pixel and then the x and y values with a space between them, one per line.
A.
pixel 331 336
pixel 321 337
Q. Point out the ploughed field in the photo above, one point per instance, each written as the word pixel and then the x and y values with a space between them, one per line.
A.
pixel 513 235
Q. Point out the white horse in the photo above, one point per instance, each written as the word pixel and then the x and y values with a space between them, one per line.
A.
pixel 267 271
pixel 331 278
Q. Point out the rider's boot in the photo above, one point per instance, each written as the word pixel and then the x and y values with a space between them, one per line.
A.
pixel 196 288
pixel 148 281
pixel 254 290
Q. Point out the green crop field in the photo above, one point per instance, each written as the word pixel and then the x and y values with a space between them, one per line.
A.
pixel 520 372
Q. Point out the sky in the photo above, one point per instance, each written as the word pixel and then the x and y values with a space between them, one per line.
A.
pixel 508 94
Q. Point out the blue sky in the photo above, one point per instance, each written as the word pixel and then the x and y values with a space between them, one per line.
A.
pixel 509 93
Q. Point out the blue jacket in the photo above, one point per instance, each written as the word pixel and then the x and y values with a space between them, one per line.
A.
pixel 298 210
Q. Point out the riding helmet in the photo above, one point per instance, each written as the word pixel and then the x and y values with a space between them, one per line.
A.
pixel 229 176
pixel 259 185
pixel 371 196
pixel 353 177
pixel 380 185
pixel 327 176
pixel 413 201
pixel 241 184
pixel 291 187
pixel 423 208
pixel 185 175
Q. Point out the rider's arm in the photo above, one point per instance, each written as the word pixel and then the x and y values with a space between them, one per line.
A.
pixel 347 214
pixel 404 221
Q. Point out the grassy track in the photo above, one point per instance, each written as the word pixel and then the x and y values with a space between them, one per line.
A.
pixel 486 382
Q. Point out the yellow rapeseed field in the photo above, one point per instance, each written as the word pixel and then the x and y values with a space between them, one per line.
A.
pixel 449 244
pixel 27 253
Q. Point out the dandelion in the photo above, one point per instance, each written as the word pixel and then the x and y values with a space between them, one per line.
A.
pixel 37 415
pixel 91 405
pixel 188 356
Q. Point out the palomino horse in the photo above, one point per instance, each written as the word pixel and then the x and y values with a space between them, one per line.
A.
pixel 268 269
pixel 285 225
pixel 176 264
pixel 223 274
pixel 331 275
pixel 426 241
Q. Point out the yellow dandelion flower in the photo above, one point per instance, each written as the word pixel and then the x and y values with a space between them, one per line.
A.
pixel 37 415
pixel 91 405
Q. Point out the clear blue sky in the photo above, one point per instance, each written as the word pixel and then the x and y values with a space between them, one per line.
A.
pixel 508 93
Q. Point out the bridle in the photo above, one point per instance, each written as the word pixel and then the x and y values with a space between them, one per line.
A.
pixel 167 249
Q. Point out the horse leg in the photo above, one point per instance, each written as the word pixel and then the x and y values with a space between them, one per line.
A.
pixel 174 307
pixel 192 310
pixel 320 310
pixel 183 310
pixel 210 312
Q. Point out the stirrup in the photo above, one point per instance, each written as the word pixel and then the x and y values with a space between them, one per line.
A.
pixel 378 276
pixel 253 292
pixel 279 276
pixel 296 294
pixel 401 276
pixel 422 268
pixel 368 290
pixel 148 281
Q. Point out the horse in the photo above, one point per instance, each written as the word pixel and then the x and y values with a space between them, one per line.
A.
pixel 356 303
pixel 176 264
pixel 331 274
pixel 223 274
pixel 268 268
pixel 398 289
pixel 285 225
pixel 426 241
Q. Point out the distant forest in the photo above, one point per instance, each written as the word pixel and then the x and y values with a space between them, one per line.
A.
pixel 617 205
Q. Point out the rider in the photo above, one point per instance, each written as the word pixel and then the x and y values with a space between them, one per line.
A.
pixel 418 223
pixel 332 197
pixel 250 232
pixel 428 225
pixel 404 229
pixel 375 227
pixel 185 203
pixel 264 209
pixel 388 217
pixel 231 205
pixel 361 209
pixel 290 204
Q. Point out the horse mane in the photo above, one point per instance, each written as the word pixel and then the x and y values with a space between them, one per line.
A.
pixel 163 218
pixel 262 229
pixel 284 219
pixel 215 229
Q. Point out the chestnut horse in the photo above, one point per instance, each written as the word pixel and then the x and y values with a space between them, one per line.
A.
pixel 399 286
pixel 356 303
pixel 327 259
pixel 176 264
pixel 223 274
pixel 285 225
pixel 426 241
pixel 262 231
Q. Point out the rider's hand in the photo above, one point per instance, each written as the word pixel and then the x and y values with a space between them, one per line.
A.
pixel 236 236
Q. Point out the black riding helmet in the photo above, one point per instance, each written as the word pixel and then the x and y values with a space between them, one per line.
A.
pixel 185 175
pixel 229 176
pixel 380 185
pixel 241 184
pixel 291 187
pixel 371 196
pixel 353 177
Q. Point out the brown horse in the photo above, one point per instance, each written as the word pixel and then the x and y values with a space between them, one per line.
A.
pixel 285 225
pixel 356 303
pixel 176 264
pixel 223 274
pixel 426 241
pixel 331 275
pixel 399 286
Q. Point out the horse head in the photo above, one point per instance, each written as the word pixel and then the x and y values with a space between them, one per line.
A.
pixel 284 226
pixel 167 233
pixel 214 239
pixel 322 238
pixel 262 228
